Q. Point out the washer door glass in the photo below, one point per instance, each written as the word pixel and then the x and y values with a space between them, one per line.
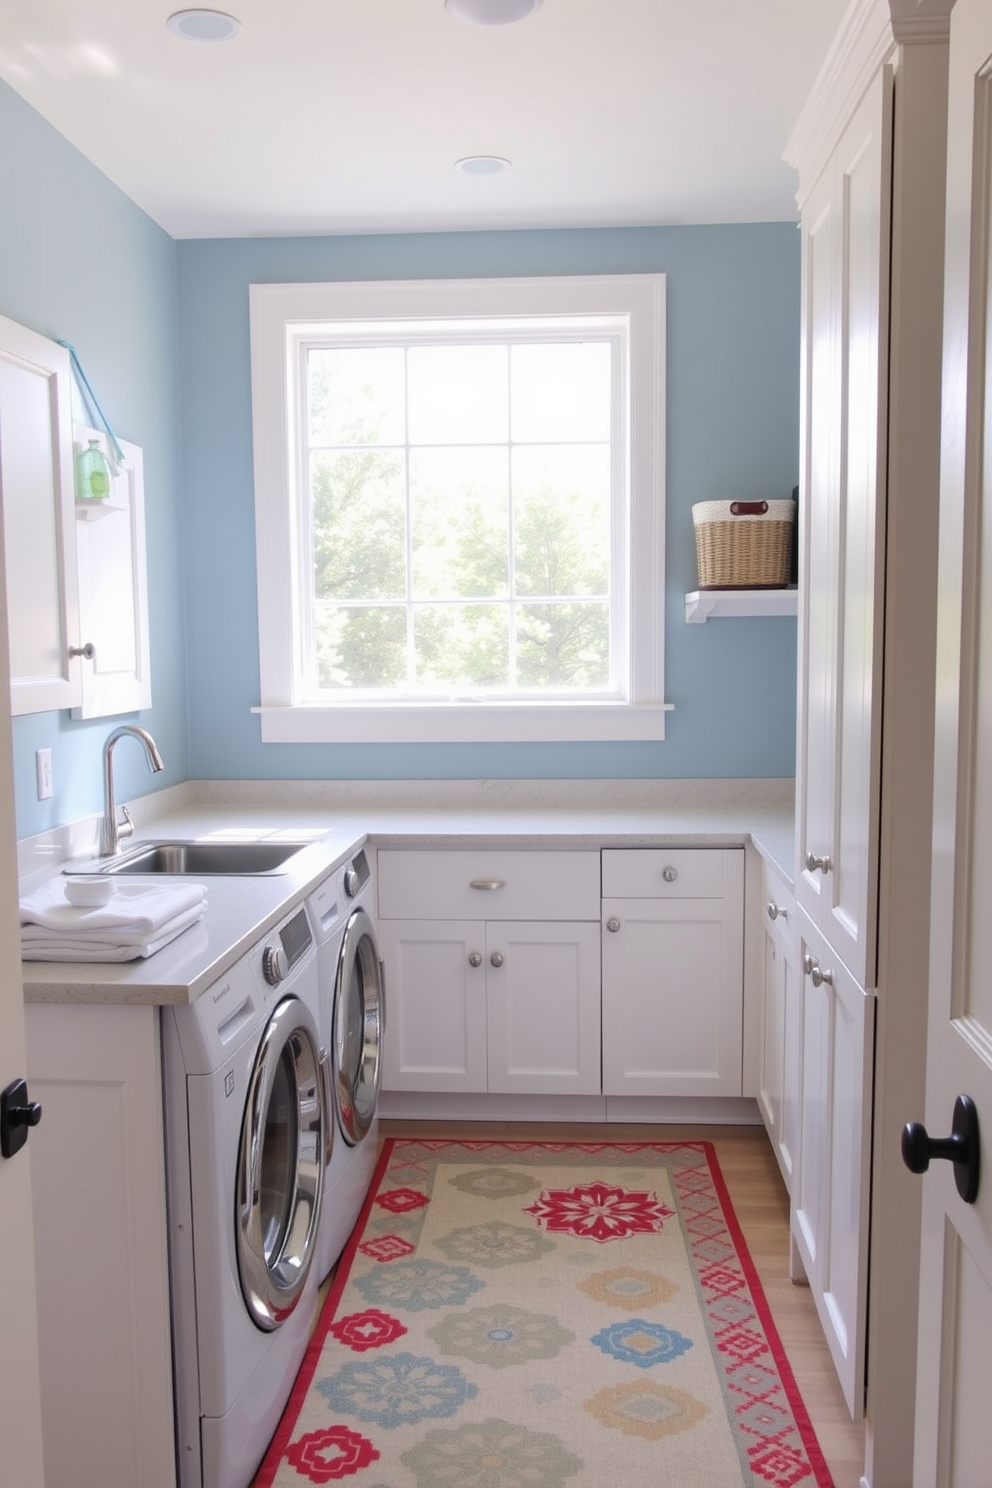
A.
pixel 358 1023
pixel 280 1166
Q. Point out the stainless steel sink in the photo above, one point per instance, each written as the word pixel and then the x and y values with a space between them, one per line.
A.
pixel 236 859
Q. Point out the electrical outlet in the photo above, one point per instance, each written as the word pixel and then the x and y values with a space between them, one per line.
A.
pixel 43 766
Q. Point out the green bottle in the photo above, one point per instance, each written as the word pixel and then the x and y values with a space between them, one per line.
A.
pixel 93 478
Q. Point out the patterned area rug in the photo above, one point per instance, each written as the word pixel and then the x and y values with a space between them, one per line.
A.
pixel 546 1315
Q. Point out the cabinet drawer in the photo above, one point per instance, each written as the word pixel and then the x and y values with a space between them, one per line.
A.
pixel 479 884
pixel 692 872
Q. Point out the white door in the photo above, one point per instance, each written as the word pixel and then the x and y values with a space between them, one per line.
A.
pixel 953 1421
pixel 20 1390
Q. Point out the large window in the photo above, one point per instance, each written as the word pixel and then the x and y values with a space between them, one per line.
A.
pixel 459 509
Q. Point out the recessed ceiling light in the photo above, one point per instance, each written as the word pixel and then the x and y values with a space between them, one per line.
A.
pixel 491 12
pixel 482 165
pixel 203 25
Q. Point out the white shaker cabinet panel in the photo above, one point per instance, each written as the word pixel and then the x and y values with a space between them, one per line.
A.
pixel 673 990
pixel 436 980
pixel 113 589
pixel 845 248
pixel 36 486
pixel 830 1193
pixel 543 1007
pixel 779 1070
pixel 101 1242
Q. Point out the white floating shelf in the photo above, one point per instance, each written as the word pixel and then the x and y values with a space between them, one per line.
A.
pixel 704 604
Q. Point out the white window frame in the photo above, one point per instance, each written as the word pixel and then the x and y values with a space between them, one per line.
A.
pixel 281 316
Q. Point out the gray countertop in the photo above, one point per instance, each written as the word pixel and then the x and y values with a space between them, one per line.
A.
pixel 337 818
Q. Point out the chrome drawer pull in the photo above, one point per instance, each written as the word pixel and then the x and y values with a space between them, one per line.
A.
pixel 487 883
pixel 775 912
pixel 669 874
pixel 813 863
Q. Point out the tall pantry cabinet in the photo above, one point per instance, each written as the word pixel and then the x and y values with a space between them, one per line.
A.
pixel 869 151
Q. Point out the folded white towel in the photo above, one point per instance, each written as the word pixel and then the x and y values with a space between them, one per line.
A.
pixel 141 910
pixel 40 944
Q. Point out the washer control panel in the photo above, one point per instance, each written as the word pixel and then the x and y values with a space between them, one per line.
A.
pixel 279 958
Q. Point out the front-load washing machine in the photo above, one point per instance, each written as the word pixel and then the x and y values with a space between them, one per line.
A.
pixel 246 1123
pixel 352 999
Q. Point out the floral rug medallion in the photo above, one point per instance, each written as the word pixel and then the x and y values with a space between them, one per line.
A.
pixel 545 1315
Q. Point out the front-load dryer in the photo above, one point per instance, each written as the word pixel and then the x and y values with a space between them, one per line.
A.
pixel 246 1132
pixel 353 1010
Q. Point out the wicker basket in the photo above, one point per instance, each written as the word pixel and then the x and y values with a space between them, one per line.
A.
pixel 743 544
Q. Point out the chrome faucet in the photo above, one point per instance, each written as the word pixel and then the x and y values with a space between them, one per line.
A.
pixel 113 830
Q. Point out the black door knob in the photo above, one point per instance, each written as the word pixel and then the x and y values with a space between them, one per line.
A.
pixel 962 1147
pixel 17 1116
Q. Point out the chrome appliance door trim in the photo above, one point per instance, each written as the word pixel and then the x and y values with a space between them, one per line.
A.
pixel 356 1090
pixel 274 1258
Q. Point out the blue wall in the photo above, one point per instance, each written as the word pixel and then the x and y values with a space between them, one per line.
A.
pixel 80 262
pixel 162 330
pixel 733 417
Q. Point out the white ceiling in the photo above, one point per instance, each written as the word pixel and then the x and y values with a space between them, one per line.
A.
pixel 344 116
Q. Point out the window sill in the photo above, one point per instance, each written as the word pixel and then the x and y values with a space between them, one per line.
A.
pixel 464 723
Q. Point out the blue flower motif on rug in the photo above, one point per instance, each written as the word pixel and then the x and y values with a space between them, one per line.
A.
pixel 417 1285
pixel 641 1343
pixel 398 1390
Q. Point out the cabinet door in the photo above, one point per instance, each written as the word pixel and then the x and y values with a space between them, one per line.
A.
pixel 673 996
pixel 436 1032
pixel 543 1008
pixel 36 487
pixel 113 589
pixel 831 1189
pixel 101 1245
pixel 842 515
pixel 779 1069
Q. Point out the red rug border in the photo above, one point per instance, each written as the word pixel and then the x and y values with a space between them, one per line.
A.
pixel 280 1441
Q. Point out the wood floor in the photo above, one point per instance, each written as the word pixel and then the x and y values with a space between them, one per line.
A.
pixel 762 1208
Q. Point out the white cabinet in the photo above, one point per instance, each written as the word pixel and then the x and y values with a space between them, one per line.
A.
pixel 779 1050
pixel 673 924
pixel 845 257
pixel 101 1245
pixel 36 486
pixel 113 589
pixel 76 573
pixel 492 966
pixel 831 1189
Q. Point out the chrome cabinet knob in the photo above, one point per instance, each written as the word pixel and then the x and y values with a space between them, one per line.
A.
pixel 809 962
pixel 613 924
pixel 669 874
pixel 775 912
pixel 496 959
pixel 475 959
pixel 88 651
pixel 815 864
pixel 821 978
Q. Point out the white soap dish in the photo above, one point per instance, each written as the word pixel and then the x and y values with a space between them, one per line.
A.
pixel 88 893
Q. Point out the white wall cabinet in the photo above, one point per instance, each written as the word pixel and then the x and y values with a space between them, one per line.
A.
pixel 673 971
pixel 503 1002
pixel 830 1193
pixel 780 1053
pixel 36 486
pixel 112 582
pixel 76 570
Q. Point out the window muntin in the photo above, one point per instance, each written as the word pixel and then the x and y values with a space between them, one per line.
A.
pixel 469 644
